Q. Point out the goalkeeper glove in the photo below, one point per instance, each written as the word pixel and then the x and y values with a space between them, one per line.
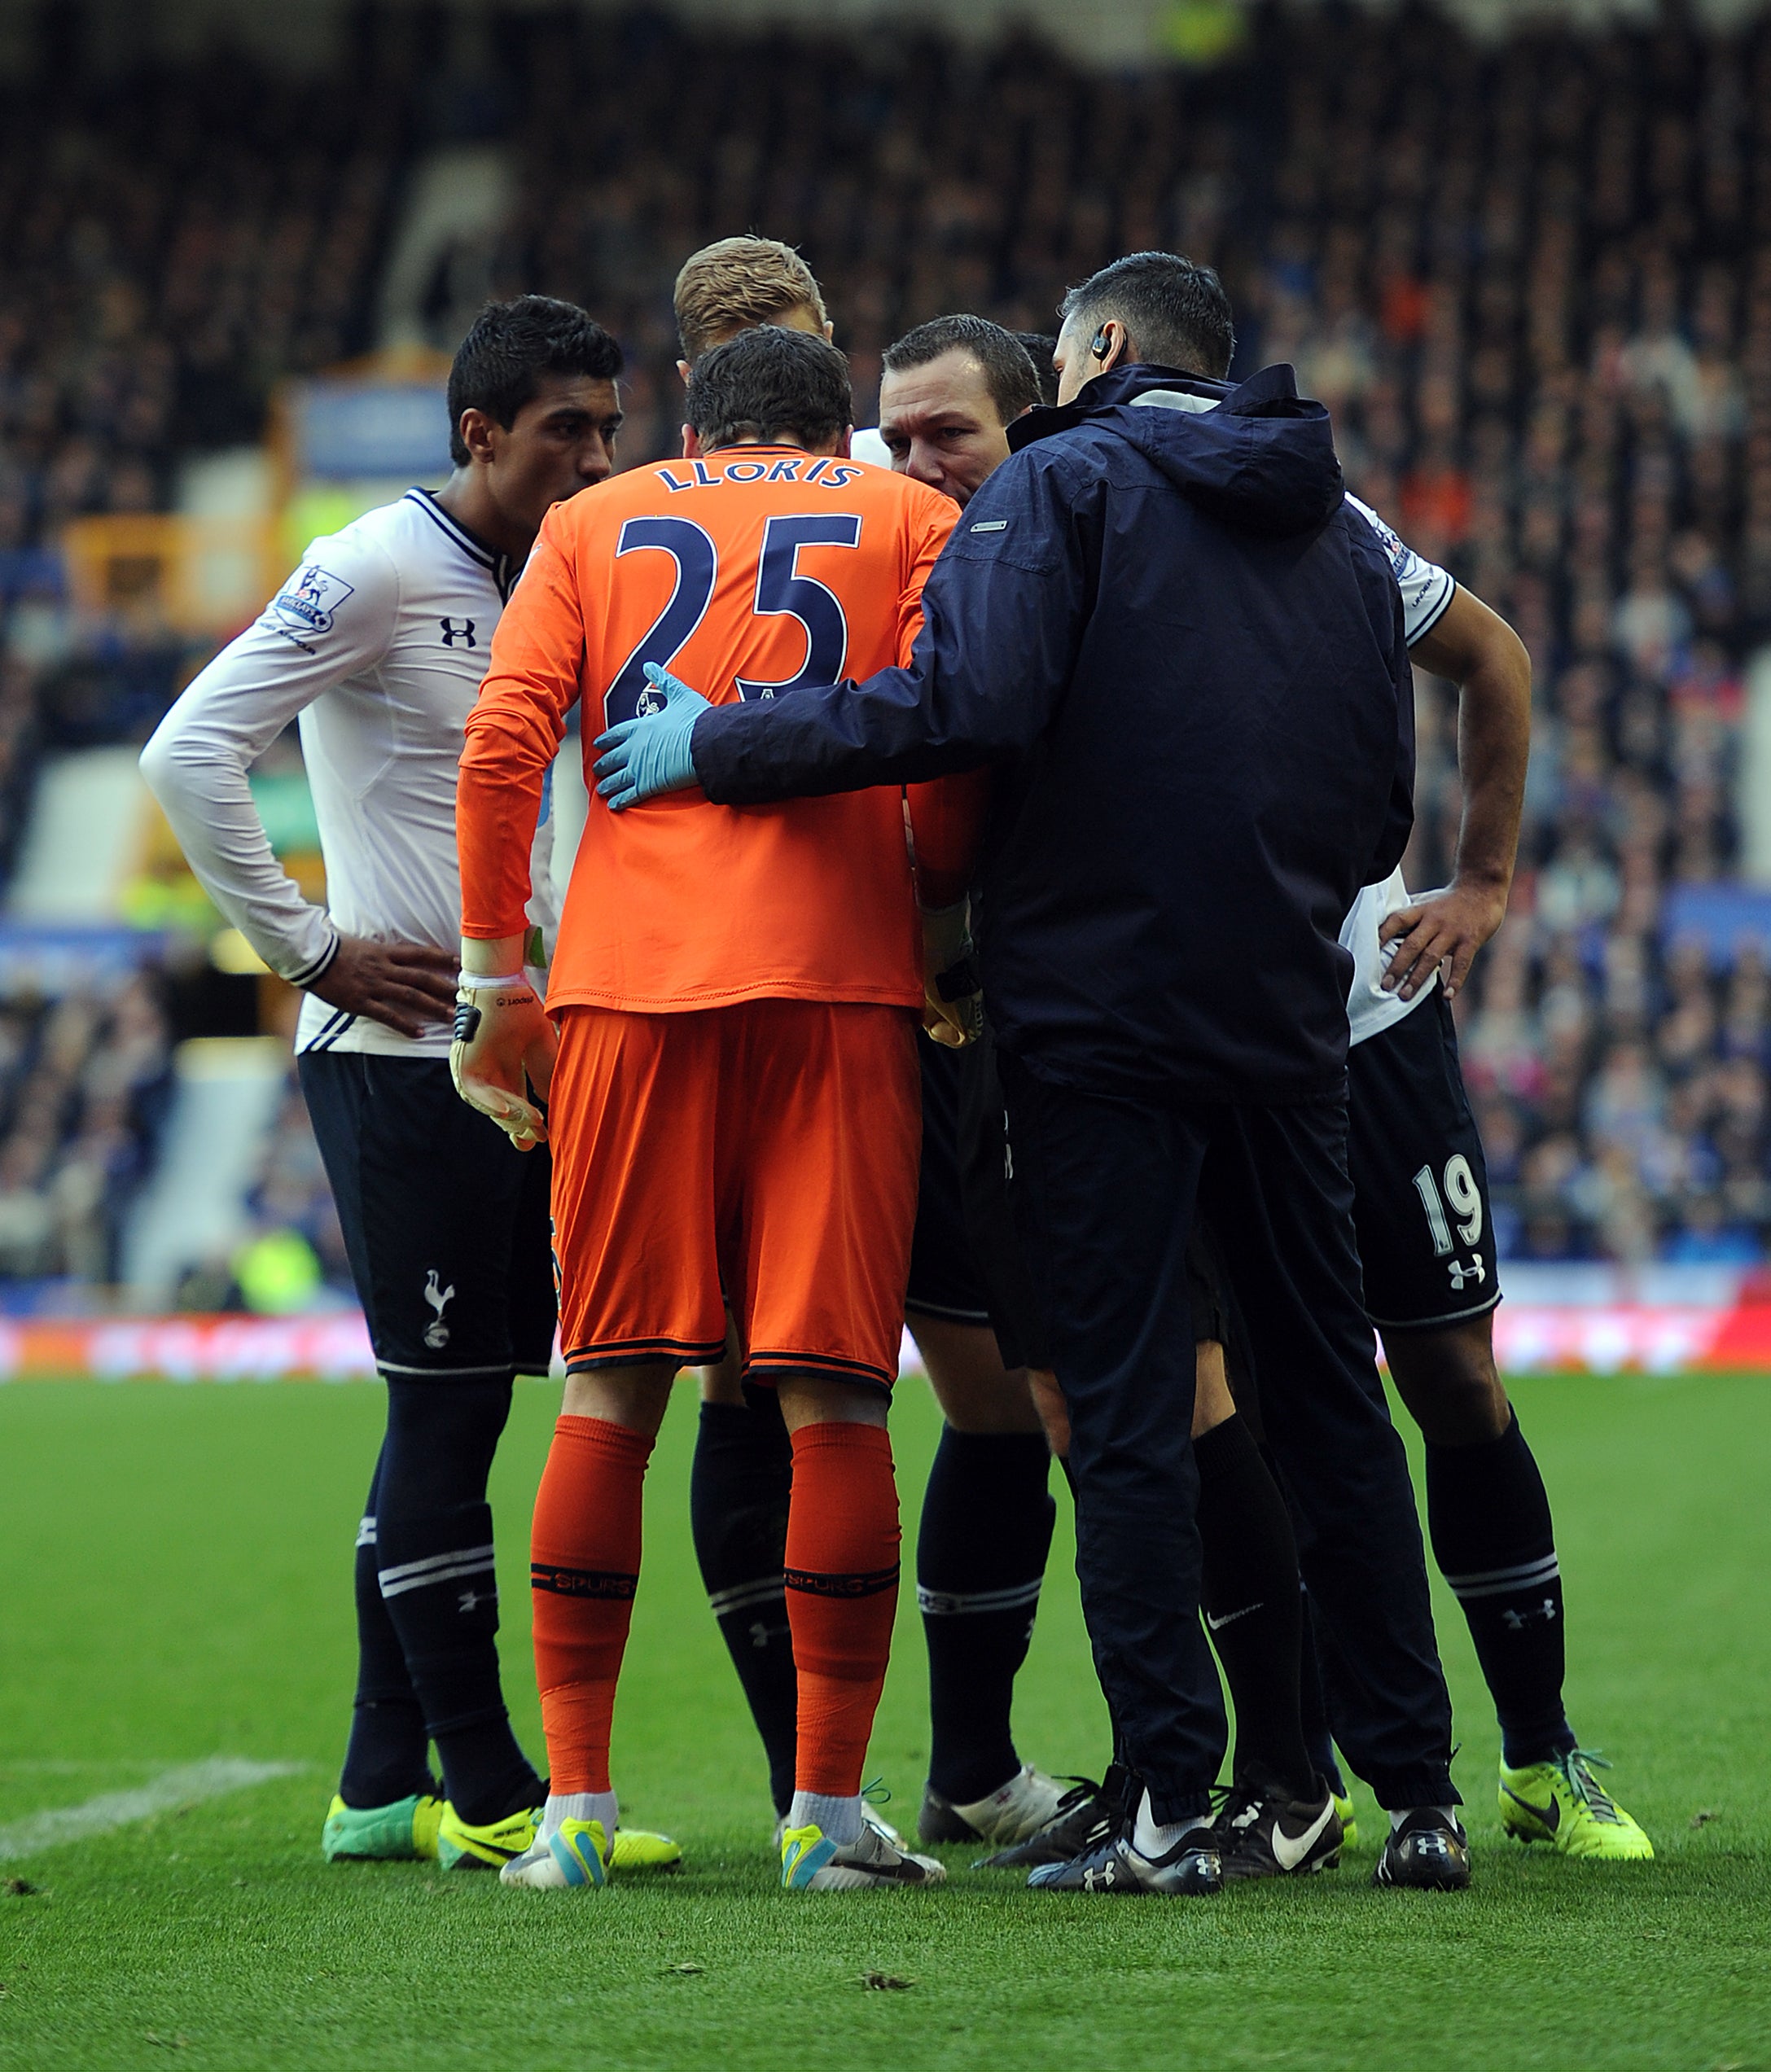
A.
pixel 504 1046
pixel 953 1005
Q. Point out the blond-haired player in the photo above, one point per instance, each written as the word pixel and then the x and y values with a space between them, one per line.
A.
pixel 987 1515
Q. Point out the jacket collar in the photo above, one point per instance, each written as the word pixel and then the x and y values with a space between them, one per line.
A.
pixel 1144 381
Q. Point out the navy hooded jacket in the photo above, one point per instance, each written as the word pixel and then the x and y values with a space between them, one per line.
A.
pixel 1185 651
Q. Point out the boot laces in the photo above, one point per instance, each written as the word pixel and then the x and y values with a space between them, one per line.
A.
pixel 1578 1766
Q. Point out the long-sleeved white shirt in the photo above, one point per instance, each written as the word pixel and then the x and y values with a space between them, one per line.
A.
pixel 378 642
pixel 1427 589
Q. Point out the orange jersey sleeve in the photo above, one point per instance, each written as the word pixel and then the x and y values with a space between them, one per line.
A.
pixel 946 823
pixel 513 735
pixel 946 815
pixel 747 575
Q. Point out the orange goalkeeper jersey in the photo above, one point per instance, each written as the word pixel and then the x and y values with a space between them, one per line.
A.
pixel 746 574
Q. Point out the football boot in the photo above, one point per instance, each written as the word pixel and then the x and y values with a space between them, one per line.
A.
pixel 811 1862
pixel 1428 1851
pixel 1562 1803
pixel 403 1832
pixel 576 1857
pixel 1264 1834
pixel 1023 1806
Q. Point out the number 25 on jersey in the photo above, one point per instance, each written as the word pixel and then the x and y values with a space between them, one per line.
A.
pixel 782 592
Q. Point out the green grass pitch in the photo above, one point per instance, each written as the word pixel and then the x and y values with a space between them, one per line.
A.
pixel 174 1565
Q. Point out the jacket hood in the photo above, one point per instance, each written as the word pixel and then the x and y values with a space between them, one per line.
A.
pixel 1257 455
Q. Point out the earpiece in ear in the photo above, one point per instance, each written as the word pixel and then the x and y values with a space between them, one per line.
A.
pixel 1101 345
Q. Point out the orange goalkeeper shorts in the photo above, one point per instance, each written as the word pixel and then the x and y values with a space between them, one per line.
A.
pixel 761 1157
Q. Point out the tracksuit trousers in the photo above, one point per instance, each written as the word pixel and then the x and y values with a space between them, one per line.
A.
pixel 1105 1192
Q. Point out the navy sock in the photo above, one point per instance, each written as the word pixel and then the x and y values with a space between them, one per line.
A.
pixel 438 1579
pixel 1249 1597
pixel 1488 1514
pixel 980 1560
pixel 739 1489
pixel 387 1757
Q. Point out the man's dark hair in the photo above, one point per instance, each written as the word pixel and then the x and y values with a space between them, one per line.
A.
pixel 1009 375
pixel 1040 345
pixel 1177 313
pixel 510 347
pixel 771 385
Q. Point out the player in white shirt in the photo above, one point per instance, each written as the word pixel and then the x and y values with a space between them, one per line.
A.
pixel 1426 1230
pixel 378 643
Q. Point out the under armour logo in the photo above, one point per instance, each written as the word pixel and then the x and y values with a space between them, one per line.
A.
pixel 1475 1271
pixel 1516 1621
pixel 464 633
pixel 436 1333
pixel 470 1598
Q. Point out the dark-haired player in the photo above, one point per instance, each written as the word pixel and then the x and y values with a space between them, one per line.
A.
pixel 733 1107
pixel 378 643
pixel 987 1516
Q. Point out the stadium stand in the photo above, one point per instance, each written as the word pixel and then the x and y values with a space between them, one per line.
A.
pixel 83 1081
pixel 1532 279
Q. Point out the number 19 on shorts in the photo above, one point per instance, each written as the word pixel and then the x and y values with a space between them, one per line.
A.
pixel 1465 1197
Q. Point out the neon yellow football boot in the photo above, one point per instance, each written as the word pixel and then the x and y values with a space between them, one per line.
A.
pixel 1349 1820
pixel 639 1849
pixel 1561 1803
pixel 403 1832
pixel 460 1847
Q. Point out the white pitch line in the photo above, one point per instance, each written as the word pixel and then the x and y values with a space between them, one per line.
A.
pixel 184 1786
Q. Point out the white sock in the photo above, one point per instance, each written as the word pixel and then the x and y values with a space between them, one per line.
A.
pixel 1446 1812
pixel 1153 1837
pixel 578 1805
pixel 839 1818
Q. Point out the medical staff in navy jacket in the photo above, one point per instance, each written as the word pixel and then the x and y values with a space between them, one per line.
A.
pixel 1184 653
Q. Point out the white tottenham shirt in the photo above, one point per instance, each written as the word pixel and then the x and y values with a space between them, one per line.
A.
pixel 379 642
pixel 1427 589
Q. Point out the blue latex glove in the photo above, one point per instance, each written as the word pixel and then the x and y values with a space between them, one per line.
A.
pixel 643 756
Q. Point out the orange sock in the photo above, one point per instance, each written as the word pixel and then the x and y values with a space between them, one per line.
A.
pixel 584 1565
pixel 842 1572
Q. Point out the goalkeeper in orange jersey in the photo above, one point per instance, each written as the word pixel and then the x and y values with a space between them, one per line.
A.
pixel 733 1106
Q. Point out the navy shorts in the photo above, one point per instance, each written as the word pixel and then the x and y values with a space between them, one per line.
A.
pixel 966 1259
pixel 945 1279
pixel 1420 1184
pixel 445 1222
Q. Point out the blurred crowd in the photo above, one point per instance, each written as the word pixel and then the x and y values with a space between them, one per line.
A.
pixel 84 1082
pixel 1537 292
pixel 181 238
pixel 1532 280
pixel 1533 283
